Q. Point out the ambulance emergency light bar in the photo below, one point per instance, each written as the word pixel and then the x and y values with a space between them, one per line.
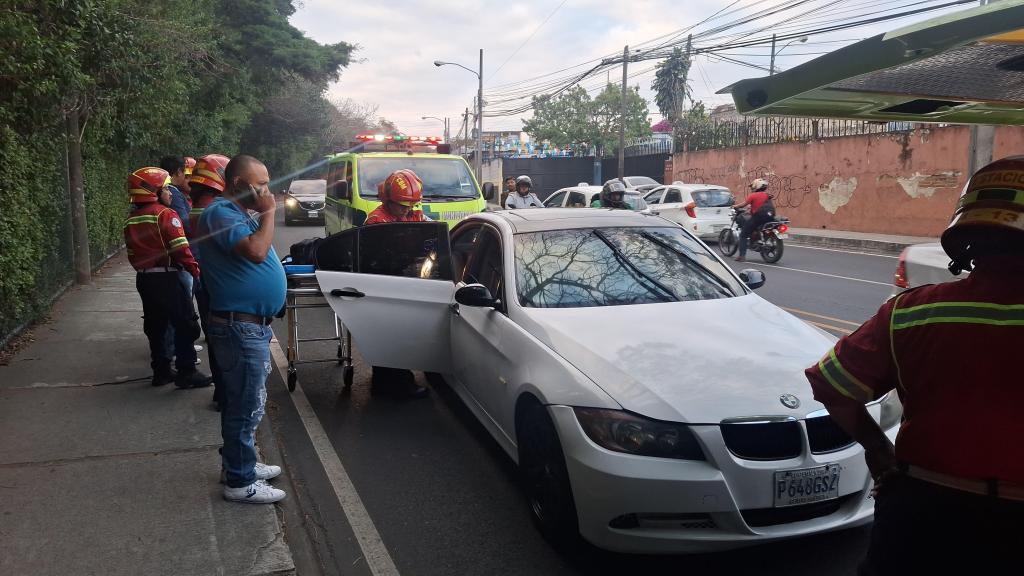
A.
pixel 399 138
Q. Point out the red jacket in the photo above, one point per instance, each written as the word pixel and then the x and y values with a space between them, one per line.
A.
pixel 952 352
pixel 198 206
pixel 155 238
pixel 382 216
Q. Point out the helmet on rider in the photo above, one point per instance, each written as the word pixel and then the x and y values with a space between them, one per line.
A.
pixel 400 191
pixel 759 185
pixel 146 184
pixel 523 185
pixel 612 194
pixel 989 218
pixel 190 163
pixel 209 171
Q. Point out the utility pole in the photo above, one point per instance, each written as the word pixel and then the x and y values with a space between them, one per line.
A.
pixel 622 119
pixel 465 130
pixel 771 65
pixel 982 139
pixel 480 119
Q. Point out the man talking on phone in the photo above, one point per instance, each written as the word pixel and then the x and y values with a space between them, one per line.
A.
pixel 246 285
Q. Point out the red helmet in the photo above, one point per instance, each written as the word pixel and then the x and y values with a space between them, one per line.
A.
pixel 209 171
pixel 991 208
pixel 402 186
pixel 190 163
pixel 144 184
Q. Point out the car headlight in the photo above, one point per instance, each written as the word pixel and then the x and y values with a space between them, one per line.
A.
pixel 624 432
pixel 892 410
pixel 291 202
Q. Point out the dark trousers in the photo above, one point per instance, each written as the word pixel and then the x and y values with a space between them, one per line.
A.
pixel 203 301
pixel 164 303
pixel 750 224
pixel 924 528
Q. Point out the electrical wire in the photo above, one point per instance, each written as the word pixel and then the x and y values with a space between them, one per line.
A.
pixel 528 38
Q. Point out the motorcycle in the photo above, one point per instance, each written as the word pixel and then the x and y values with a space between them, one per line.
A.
pixel 767 239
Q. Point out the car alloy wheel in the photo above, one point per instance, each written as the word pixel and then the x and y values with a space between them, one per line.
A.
pixel 546 479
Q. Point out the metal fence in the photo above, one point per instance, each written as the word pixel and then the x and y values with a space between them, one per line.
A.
pixel 710 134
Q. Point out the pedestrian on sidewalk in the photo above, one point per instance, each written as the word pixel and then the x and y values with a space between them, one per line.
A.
pixel 159 251
pixel 182 204
pixel 206 183
pixel 950 493
pixel 246 285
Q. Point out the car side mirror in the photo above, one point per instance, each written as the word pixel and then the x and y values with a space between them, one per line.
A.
pixel 488 190
pixel 752 277
pixel 343 192
pixel 476 295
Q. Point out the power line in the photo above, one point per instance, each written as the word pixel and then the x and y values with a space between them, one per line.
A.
pixel 528 38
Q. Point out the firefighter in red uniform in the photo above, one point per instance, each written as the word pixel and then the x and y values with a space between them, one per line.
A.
pixel 159 250
pixel 399 194
pixel 951 491
pixel 206 183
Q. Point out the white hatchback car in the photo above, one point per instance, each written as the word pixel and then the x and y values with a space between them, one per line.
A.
pixel 922 264
pixel 652 401
pixel 583 194
pixel 700 208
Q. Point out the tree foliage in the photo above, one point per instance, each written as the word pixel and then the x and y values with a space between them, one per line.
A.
pixel 574 120
pixel 670 86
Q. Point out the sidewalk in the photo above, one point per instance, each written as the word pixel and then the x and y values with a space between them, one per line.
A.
pixel 100 473
pixel 860 241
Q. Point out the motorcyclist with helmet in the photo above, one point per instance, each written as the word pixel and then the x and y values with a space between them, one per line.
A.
pixel 762 210
pixel 524 197
pixel 613 195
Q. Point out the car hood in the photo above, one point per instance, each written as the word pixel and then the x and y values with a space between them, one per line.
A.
pixel 699 362
pixel 308 197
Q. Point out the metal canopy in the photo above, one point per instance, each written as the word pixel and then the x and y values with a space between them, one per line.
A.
pixel 962 68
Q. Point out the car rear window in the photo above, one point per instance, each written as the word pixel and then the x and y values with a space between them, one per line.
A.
pixel 713 198
pixel 617 266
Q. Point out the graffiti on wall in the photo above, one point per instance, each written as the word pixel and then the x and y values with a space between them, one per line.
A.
pixel 790 191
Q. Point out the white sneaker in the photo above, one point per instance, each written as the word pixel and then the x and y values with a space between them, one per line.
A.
pixel 263 472
pixel 197 347
pixel 259 492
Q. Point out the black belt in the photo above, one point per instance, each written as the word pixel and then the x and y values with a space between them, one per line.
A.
pixel 242 317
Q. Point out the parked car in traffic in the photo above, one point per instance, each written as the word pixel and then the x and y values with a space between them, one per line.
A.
pixel 304 202
pixel 703 209
pixel 621 365
pixel 642 184
pixel 581 196
pixel 922 264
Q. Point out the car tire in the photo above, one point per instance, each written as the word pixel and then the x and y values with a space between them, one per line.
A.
pixel 727 243
pixel 545 479
pixel 771 249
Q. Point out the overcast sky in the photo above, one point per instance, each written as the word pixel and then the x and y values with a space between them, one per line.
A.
pixel 398 40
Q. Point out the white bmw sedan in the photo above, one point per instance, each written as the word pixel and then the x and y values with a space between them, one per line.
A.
pixel 652 401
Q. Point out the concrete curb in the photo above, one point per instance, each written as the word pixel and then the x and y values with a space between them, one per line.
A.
pixel 856 244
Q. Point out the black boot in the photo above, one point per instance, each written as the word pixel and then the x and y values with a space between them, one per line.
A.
pixel 163 376
pixel 192 379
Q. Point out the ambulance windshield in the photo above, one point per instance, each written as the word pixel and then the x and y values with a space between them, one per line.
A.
pixel 443 178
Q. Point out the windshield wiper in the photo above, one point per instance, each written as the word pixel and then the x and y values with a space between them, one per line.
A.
pixel 671 296
pixel 707 271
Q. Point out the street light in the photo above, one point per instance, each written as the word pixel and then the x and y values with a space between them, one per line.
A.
pixel 771 66
pixel 443 121
pixel 477 164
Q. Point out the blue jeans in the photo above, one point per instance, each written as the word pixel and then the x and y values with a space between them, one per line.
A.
pixel 243 353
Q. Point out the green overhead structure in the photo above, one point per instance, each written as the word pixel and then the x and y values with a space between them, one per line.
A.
pixel 961 68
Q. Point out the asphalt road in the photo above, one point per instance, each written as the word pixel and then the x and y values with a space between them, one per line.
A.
pixel 442 495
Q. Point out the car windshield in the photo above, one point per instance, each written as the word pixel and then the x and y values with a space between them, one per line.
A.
pixel 634 181
pixel 634 201
pixel 308 187
pixel 617 266
pixel 713 198
pixel 442 177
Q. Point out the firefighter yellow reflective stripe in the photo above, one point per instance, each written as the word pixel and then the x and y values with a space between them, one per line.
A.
pixel 195 212
pixel 178 242
pixel 845 383
pixel 149 219
pixel 959 313
pixel 208 174
pixel 1010 195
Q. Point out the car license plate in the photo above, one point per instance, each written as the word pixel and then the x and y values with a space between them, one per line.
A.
pixel 314 213
pixel 795 487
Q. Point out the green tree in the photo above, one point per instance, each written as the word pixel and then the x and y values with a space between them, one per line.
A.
pixel 574 119
pixel 670 85
pixel 606 113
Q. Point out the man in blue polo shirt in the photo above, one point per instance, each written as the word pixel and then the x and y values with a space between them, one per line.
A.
pixel 246 285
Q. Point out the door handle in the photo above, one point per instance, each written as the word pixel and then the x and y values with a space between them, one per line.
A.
pixel 350 292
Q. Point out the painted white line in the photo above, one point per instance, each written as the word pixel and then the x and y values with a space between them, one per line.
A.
pixel 370 542
pixel 887 284
pixel 805 247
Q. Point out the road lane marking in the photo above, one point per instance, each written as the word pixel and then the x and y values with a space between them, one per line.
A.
pixel 804 246
pixel 828 327
pixel 888 284
pixel 377 557
pixel 805 313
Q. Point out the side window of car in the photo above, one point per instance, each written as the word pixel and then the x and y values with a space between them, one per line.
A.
pixel 654 197
pixel 486 266
pixel 576 200
pixel 464 241
pixel 673 195
pixel 335 175
pixel 555 200
pixel 410 249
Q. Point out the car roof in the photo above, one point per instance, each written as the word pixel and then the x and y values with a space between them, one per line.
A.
pixel 396 155
pixel 538 220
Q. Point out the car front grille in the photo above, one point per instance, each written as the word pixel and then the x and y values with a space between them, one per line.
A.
pixel 312 205
pixel 826 436
pixel 763 440
pixel 775 516
pixel 452 215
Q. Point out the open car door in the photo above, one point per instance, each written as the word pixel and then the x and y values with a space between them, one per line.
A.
pixel 391 286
